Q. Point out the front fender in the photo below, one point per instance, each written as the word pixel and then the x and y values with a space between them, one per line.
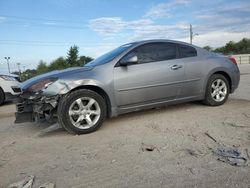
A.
pixel 62 87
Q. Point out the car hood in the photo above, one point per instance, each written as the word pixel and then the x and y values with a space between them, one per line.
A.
pixel 8 74
pixel 54 74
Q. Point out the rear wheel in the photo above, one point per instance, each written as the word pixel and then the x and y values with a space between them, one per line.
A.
pixel 217 90
pixel 2 96
pixel 82 111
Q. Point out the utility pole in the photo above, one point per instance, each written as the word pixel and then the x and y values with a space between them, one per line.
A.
pixel 18 65
pixel 192 34
pixel 7 59
pixel 24 68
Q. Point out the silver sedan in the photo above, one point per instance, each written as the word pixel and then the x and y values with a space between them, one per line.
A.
pixel 132 77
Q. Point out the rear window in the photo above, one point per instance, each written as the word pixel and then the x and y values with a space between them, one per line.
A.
pixel 187 51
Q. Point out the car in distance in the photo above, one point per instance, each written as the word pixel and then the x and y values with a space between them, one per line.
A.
pixel 132 77
pixel 9 87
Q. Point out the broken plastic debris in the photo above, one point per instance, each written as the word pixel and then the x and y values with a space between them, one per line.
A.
pixel 47 185
pixel 192 152
pixel 231 156
pixel 146 147
pixel 25 183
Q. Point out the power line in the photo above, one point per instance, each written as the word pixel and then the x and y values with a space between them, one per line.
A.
pixel 149 28
pixel 41 19
pixel 41 22
pixel 47 25
pixel 34 41
pixel 50 42
pixel 27 44
pixel 43 43
pixel 68 24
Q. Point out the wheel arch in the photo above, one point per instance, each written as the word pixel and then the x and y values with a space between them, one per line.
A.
pixel 221 72
pixel 98 90
pixel 226 75
pixel 2 91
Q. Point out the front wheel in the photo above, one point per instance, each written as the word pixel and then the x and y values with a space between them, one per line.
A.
pixel 82 111
pixel 217 90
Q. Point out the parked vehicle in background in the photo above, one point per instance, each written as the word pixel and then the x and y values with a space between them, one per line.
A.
pixel 9 87
pixel 132 77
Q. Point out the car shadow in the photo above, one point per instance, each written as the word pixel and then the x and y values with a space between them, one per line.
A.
pixel 7 103
pixel 159 110
pixel 112 122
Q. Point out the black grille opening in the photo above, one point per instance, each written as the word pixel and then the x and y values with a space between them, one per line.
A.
pixel 20 107
pixel 16 89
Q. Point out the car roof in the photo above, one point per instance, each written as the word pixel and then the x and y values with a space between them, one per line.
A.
pixel 163 40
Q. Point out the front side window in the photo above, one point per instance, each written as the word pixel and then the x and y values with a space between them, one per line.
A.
pixel 154 52
pixel 187 51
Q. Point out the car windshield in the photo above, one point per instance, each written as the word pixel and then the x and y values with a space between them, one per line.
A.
pixel 109 56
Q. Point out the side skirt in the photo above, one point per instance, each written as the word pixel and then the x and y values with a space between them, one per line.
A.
pixel 138 107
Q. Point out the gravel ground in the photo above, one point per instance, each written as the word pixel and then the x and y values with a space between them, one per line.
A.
pixel 117 155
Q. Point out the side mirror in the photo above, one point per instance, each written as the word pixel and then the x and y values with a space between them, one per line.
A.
pixel 127 60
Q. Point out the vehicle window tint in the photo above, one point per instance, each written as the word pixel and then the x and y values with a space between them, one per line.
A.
pixel 155 52
pixel 187 51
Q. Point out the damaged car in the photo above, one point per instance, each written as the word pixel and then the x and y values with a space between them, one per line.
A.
pixel 132 77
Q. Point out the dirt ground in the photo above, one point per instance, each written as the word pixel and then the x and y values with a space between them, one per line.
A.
pixel 115 155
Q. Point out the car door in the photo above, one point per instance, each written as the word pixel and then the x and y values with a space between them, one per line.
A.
pixel 194 69
pixel 157 76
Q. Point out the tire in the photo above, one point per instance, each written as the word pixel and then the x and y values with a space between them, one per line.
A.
pixel 82 111
pixel 217 90
pixel 2 96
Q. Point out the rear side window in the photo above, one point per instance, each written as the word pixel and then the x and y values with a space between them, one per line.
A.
pixel 153 52
pixel 187 51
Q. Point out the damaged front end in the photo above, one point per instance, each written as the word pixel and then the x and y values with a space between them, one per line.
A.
pixel 41 95
pixel 37 110
pixel 39 102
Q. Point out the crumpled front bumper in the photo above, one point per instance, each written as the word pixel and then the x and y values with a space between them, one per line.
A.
pixel 36 110
pixel 24 111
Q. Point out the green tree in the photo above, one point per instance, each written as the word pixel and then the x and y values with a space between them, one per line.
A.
pixel 208 48
pixel 244 46
pixel 42 67
pixel 27 74
pixel 83 60
pixel 72 57
pixel 241 47
pixel 231 47
pixel 58 64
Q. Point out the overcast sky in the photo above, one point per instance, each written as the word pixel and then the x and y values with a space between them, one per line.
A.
pixel 31 30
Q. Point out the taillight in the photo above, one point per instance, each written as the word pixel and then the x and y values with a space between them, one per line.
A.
pixel 233 60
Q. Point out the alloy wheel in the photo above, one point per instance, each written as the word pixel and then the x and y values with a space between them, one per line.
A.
pixel 84 112
pixel 218 90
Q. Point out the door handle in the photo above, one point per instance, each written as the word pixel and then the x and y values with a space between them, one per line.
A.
pixel 175 67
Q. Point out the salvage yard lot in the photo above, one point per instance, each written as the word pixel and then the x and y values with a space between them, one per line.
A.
pixel 117 155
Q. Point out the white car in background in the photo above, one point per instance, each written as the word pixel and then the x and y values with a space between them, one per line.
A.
pixel 9 87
